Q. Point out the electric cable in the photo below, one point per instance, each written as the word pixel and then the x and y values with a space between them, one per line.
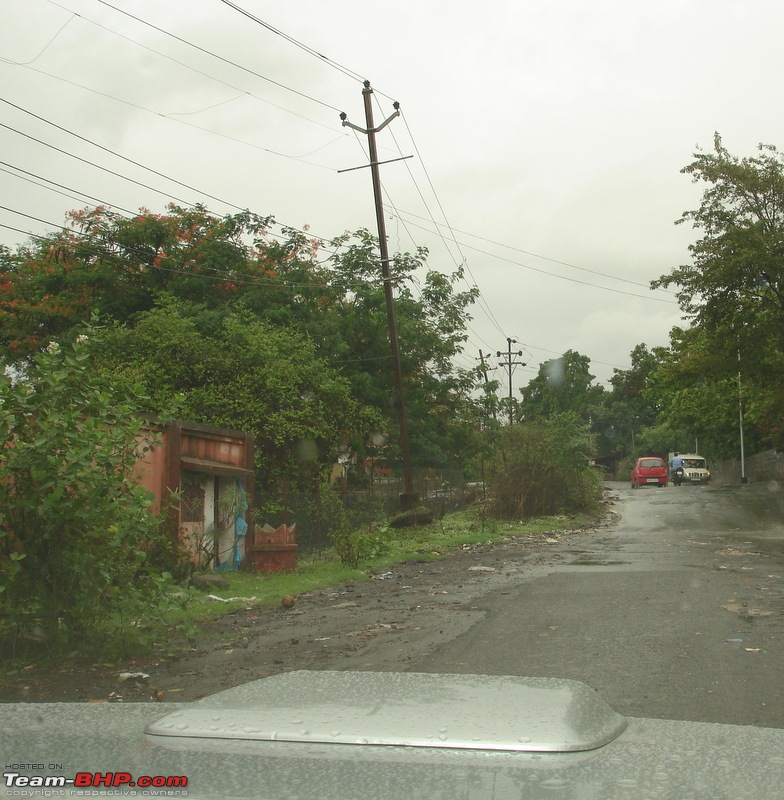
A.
pixel 112 152
pixel 44 48
pixel 565 277
pixel 352 74
pixel 172 117
pixel 306 48
pixel 136 163
pixel 93 164
pixel 189 67
pixel 59 185
pixel 220 58
pixel 535 255
pixel 482 303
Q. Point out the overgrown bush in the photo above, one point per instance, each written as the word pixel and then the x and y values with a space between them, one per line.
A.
pixel 320 513
pixel 353 546
pixel 77 538
pixel 542 468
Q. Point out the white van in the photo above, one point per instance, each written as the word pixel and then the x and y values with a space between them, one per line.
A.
pixel 695 468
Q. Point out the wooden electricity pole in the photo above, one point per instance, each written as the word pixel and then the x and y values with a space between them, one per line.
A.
pixel 409 498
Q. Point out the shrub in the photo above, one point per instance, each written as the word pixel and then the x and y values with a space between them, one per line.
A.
pixel 542 468
pixel 353 547
pixel 76 534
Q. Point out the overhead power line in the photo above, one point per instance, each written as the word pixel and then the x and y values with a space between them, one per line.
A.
pixel 535 255
pixel 93 164
pixel 112 152
pixel 171 196
pixel 44 48
pixel 220 58
pixel 190 67
pixel 30 216
pixel 16 230
pixel 26 175
pixel 670 300
pixel 464 261
pixel 173 117
pixel 306 48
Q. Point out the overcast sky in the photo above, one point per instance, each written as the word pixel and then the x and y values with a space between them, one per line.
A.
pixel 547 135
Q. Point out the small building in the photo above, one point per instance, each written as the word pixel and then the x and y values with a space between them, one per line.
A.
pixel 202 480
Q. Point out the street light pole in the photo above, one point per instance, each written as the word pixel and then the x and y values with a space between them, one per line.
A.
pixel 740 426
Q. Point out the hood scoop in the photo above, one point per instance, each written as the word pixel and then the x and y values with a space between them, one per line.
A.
pixel 402 709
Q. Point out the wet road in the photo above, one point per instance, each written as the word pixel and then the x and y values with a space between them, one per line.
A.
pixel 677 612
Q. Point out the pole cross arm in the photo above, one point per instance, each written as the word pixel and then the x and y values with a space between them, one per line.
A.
pixel 375 164
pixel 347 124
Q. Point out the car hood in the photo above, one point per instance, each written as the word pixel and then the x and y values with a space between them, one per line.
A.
pixel 224 754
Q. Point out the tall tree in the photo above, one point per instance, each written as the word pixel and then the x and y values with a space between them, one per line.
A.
pixel 737 269
pixel 233 370
pixel 431 329
pixel 733 291
pixel 629 408
pixel 117 266
pixel 563 385
pixel 126 268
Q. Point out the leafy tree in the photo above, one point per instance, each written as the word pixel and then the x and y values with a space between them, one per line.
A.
pixel 232 370
pixel 116 266
pixel 76 535
pixel 631 383
pixel 629 408
pixel 127 268
pixel 737 269
pixel 353 330
pixel 563 385
pixel 697 393
pixel 733 294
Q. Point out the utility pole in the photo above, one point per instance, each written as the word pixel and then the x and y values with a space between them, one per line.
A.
pixel 509 364
pixel 409 498
pixel 743 478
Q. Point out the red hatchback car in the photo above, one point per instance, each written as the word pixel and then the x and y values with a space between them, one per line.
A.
pixel 650 471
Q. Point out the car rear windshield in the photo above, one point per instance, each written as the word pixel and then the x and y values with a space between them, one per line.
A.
pixel 651 462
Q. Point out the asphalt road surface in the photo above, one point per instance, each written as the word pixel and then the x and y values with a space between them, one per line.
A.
pixel 676 612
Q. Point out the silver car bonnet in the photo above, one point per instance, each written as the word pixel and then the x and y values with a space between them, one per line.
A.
pixel 466 712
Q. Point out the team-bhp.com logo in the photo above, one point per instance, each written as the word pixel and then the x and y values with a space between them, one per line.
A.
pixel 92 780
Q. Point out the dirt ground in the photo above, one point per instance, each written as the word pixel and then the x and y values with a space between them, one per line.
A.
pixel 382 624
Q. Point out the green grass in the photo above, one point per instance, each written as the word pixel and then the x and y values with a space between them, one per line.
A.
pixel 424 543
pixel 180 615
pixel 267 588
